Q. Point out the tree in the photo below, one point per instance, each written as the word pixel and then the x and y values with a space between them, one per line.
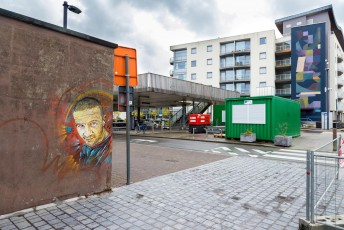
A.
pixel 153 113
pixel 166 112
pixel 142 115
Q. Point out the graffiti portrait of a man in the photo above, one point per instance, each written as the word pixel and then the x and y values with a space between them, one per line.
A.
pixel 89 120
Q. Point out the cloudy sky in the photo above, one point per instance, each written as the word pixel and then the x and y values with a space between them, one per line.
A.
pixel 152 26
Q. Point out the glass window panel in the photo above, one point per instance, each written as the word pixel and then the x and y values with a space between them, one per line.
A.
pixel 209 61
pixel 262 70
pixel 240 46
pixel 209 74
pixel 262 41
pixel 209 48
pixel 193 50
pixel 180 65
pixel 262 55
pixel 193 76
pixel 193 63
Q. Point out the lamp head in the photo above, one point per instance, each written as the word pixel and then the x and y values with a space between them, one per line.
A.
pixel 74 9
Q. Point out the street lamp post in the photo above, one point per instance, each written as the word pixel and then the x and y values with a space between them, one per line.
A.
pixel 71 8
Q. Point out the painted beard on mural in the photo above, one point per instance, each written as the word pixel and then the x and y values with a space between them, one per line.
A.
pixel 90 121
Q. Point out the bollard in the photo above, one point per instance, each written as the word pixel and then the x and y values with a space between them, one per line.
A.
pixel 193 131
pixel 206 133
pixel 334 137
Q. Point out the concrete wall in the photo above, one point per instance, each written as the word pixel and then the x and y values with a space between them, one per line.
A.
pixel 44 71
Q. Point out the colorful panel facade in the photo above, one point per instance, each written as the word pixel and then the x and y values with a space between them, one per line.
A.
pixel 308 68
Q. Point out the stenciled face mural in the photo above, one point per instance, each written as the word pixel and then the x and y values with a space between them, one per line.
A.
pixel 83 130
pixel 308 66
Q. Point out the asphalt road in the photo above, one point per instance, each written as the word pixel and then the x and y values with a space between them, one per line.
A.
pixel 151 157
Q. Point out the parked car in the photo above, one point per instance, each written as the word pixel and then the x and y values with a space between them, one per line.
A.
pixel 307 123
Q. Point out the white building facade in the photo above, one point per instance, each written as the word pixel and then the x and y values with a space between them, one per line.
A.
pixel 306 64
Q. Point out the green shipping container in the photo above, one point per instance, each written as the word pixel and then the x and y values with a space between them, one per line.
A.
pixel 219 115
pixel 267 116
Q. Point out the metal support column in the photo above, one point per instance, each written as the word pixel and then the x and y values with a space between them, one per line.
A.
pixel 128 117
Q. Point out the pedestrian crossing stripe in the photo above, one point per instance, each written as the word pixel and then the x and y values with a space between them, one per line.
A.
pixel 242 150
pixel 261 151
pixel 294 150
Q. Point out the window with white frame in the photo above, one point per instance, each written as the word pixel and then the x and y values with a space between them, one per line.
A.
pixel 262 70
pixel 193 63
pixel 209 74
pixel 193 76
pixel 209 48
pixel 194 50
pixel 209 61
pixel 262 40
pixel 262 55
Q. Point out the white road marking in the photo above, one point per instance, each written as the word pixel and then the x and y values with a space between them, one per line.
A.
pixel 144 140
pixel 224 148
pixel 252 155
pixel 242 150
pixel 261 151
pixel 214 151
pixel 289 154
pixel 284 157
pixel 292 150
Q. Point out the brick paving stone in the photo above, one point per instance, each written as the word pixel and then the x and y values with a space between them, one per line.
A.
pixel 266 194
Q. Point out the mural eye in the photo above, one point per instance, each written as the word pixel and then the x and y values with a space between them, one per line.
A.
pixel 80 126
pixel 94 124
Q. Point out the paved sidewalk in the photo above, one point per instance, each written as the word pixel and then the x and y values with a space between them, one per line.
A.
pixel 234 193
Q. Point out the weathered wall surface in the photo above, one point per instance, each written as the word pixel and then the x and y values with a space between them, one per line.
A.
pixel 43 152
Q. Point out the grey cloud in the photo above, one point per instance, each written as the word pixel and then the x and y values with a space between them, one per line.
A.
pixel 193 13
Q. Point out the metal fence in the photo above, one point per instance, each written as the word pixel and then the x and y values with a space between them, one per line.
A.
pixel 324 189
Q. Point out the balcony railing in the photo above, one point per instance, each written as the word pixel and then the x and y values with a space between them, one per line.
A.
pixel 282 47
pixel 233 79
pixel 283 91
pixel 285 62
pixel 283 77
pixel 183 58
pixel 242 63
pixel 244 91
pixel 266 91
pixel 244 50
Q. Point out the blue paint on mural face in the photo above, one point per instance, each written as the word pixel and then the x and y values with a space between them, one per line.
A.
pixel 308 46
pixel 68 129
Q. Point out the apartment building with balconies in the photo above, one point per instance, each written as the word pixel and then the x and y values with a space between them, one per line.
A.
pixel 305 64
pixel 239 63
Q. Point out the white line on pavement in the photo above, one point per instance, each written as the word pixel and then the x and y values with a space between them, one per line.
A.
pixel 290 154
pixel 293 150
pixel 260 151
pixel 252 155
pixel 242 150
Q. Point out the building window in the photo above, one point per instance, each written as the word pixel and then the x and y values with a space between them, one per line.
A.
pixel 193 50
pixel 193 76
pixel 262 55
pixel 193 63
pixel 262 84
pixel 209 74
pixel 209 61
pixel 262 41
pixel 209 48
pixel 262 70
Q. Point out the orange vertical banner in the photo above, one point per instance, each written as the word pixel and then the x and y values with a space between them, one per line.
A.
pixel 119 66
